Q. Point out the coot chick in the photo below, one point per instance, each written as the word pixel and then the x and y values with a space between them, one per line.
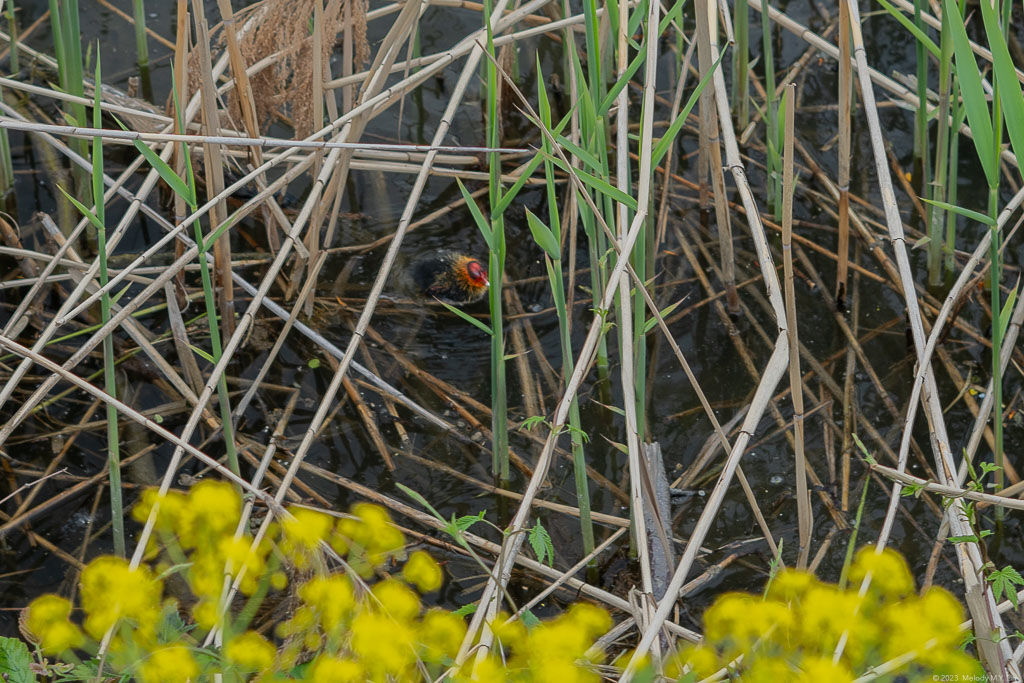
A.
pixel 451 277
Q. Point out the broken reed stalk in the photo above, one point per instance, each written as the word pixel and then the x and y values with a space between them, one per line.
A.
pixel 711 147
pixel 631 376
pixel 803 500
pixel 213 168
pixel 843 180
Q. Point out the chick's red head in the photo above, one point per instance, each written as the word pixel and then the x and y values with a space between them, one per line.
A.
pixel 477 273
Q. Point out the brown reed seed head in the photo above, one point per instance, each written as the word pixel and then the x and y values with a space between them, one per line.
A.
pixel 282 28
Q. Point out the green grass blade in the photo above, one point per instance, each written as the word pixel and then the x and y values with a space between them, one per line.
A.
pixel 670 135
pixel 1004 315
pixel 909 25
pixel 543 236
pixel 978 116
pixel 478 216
pixel 167 173
pixel 973 215
pixel 1006 76
pixel 598 184
pixel 468 318
pixel 93 218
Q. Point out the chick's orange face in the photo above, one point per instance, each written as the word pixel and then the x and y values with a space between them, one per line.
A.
pixel 477 273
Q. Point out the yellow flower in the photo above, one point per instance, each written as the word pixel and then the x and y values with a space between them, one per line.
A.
pixel 206 614
pixel 790 585
pixel 170 504
pixel 440 635
pixel 487 670
pixel 173 664
pixel 825 613
pixel 240 557
pixel 383 644
pixel 737 621
pixel 890 577
pixel 328 669
pixel 511 634
pixel 206 575
pixel 112 591
pixel 422 572
pixel 371 538
pixel 250 652
pixel 302 533
pixel 553 642
pixel 211 512
pixel 954 664
pixel 768 670
pixel 303 620
pixel 563 671
pixel 48 620
pixel 397 599
pixel 700 659
pixel 817 669
pixel 928 626
pixel 590 619
pixel 331 597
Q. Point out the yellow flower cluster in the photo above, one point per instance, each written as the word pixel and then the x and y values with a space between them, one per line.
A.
pixel 555 650
pixel 344 627
pixel 793 631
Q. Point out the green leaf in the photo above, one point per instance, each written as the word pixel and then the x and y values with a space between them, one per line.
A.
pixel 666 140
pixel 313 363
pixel 463 523
pixel 1006 311
pixel 529 619
pixel 532 421
pixel 621 83
pixel 621 447
pixel 166 173
pixel 221 229
pixel 465 610
pixel 1007 84
pixel 973 215
pixel 909 25
pixel 15 661
pixel 420 499
pixel 652 321
pixel 969 77
pixel 863 449
pixel 970 538
pixel 540 541
pixel 467 317
pixel 481 222
pixel 598 184
pixel 1004 581
pixel 512 191
pixel 543 236
pixel 202 354
pixel 93 218
pixel 585 156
